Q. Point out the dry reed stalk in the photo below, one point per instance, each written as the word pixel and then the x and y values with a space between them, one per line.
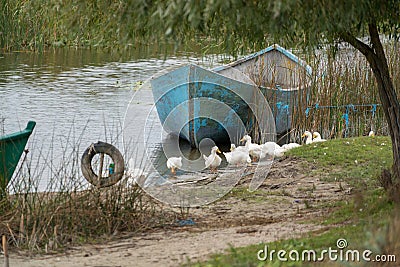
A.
pixel 5 250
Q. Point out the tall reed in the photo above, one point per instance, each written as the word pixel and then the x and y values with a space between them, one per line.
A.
pixel 37 25
pixel 343 99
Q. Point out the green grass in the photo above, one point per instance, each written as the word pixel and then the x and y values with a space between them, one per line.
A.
pixel 353 160
pixel 361 220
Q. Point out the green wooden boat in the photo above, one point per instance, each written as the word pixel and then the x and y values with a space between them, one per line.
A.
pixel 11 148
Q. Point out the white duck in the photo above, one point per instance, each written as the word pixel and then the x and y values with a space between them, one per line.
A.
pixel 371 134
pixel 271 144
pixel 317 137
pixel 134 174
pixel 279 152
pixel 239 148
pixel 237 156
pixel 272 149
pixel 290 146
pixel 174 163
pixel 255 150
pixel 309 136
pixel 213 160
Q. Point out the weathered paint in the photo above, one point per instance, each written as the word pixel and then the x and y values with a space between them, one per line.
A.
pixel 197 103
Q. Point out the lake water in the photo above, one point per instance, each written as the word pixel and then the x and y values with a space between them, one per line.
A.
pixel 79 97
pixel 76 97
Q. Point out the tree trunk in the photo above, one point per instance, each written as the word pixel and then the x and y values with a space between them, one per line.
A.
pixel 377 59
pixel 391 108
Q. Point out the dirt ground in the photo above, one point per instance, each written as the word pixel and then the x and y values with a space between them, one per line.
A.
pixel 283 207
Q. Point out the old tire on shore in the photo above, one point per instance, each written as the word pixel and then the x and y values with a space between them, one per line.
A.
pixel 116 156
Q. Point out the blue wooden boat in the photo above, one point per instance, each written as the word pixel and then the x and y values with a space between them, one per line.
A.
pixel 274 73
pixel 11 148
pixel 280 75
pixel 196 103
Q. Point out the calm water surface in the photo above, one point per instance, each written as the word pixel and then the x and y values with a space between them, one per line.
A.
pixel 76 97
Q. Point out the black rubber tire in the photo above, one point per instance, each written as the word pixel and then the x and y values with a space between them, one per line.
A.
pixel 116 156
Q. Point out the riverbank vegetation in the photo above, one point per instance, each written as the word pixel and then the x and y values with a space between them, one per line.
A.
pixel 36 25
pixel 40 25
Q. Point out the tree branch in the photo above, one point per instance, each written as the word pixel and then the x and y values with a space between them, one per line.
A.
pixel 377 45
pixel 357 44
pixel 367 51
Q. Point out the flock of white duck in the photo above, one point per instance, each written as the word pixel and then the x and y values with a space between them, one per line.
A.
pixel 245 154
